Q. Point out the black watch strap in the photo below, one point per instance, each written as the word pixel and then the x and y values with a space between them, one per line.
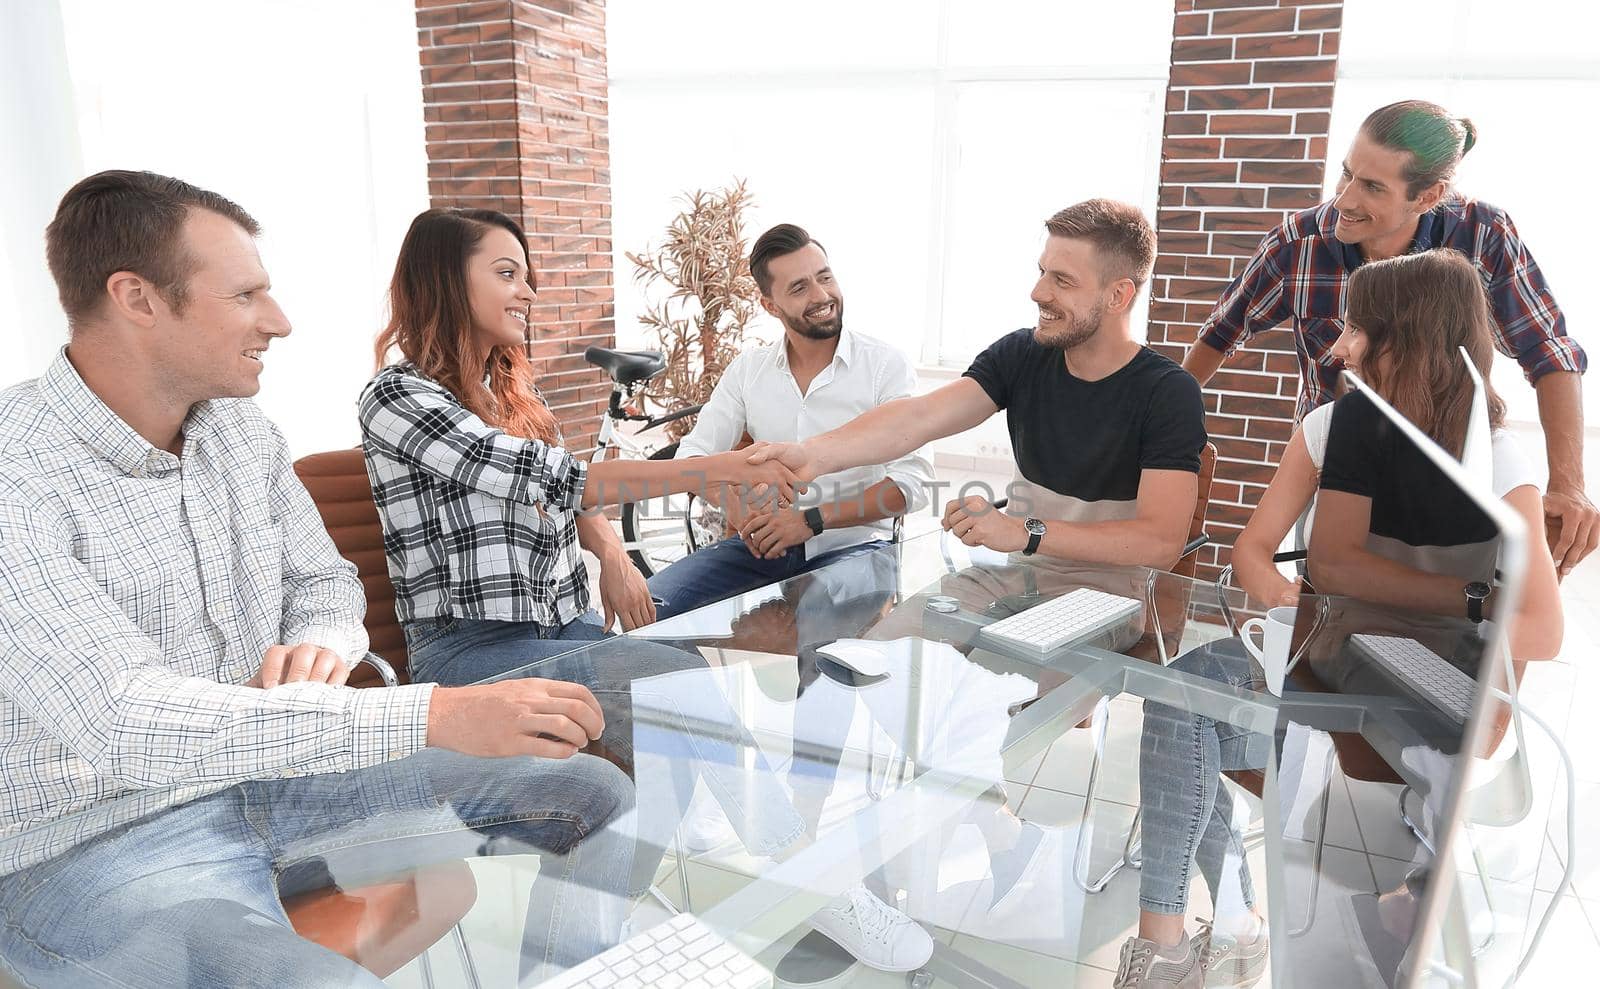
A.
pixel 813 517
pixel 1034 537
pixel 1476 593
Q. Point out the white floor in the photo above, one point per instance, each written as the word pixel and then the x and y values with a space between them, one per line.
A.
pixel 1368 849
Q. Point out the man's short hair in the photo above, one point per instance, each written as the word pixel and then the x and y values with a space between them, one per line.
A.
pixel 1122 237
pixel 785 238
pixel 120 220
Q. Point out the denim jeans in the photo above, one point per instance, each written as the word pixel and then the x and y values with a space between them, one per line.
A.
pixel 667 720
pixel 727 568
pixel 191 896
pixel 1188 813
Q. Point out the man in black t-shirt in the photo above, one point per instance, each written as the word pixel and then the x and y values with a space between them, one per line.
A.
pixel 1107 433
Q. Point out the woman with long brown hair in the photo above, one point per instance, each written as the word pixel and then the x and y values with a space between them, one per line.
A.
pixel 1406 321
pixel 483 524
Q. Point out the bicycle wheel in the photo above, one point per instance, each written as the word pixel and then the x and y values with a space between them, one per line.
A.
pixel 660 531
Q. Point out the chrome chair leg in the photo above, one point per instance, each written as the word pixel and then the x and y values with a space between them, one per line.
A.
pixel 469 969
pixel 1316 848
pixel 425 970
pixel 1477 864
pixel 1081 853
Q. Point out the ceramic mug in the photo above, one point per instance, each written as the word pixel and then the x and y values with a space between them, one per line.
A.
pixel 1277 632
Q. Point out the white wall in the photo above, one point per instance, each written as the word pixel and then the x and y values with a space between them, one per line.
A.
pixel 305 112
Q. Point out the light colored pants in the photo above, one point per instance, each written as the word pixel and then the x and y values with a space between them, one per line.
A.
pixel 192 896
pixel 1188 812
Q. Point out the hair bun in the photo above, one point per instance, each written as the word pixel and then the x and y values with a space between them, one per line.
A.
pixel 1470 138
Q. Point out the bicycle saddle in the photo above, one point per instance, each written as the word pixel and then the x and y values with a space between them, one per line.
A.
pixel 627 367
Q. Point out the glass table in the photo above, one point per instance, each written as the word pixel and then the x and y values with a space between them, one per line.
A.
pixel 1005 800
pixel 991 793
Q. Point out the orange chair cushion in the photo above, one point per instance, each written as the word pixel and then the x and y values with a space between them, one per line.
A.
pixel 382 927
pixel 338 484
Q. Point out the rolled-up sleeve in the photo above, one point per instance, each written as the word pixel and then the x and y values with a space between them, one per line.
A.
pixel 720 424
pixel 1529 323
pixel 1255 301
pixel 425 427
pixel 323 601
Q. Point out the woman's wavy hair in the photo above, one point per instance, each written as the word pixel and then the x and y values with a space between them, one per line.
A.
pixel 430 323
pixel 1415 311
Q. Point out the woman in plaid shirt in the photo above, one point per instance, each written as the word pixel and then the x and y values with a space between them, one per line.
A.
pixel 483 524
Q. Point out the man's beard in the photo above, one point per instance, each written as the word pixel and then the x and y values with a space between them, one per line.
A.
pixel 826 330
pixel 1073 331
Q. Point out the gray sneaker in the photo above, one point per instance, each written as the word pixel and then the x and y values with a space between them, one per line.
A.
pixel 1229 962
pixel 1142 965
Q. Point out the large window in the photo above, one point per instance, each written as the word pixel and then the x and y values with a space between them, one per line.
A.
pixel 307 113
pixel 1527 77
pixel 923 143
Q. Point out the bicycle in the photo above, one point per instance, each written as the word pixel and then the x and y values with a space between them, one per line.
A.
pixel 655 531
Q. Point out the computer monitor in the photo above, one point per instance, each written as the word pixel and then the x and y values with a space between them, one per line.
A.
pixel 1409 693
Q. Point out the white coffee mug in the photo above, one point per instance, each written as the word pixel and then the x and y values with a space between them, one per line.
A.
pixel 1277 631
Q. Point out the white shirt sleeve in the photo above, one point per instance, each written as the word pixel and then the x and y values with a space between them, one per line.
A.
pixel 1314 427
pixel 719 425
pixel 1512 466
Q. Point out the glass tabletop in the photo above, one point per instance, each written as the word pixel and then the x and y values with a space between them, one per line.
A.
pixel 871 749
pixel 862 727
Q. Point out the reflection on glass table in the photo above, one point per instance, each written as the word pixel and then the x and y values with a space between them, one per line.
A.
pixel 888 703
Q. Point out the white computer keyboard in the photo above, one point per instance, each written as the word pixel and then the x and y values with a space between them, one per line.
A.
pixel 1422 672
pixel 1063 621
pixel 681 953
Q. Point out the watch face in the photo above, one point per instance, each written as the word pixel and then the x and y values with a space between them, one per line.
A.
pixel 1478 589
pixel 1034 527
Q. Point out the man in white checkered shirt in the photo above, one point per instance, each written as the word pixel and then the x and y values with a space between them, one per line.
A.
pixel 178 751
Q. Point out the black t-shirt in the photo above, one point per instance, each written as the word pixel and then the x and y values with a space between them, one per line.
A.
pixel 1413 502
pixel 1090 439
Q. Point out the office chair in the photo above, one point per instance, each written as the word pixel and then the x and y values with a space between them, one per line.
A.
pixel 337 482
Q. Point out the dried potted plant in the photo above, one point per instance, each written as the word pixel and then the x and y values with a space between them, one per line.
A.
pixel 710 297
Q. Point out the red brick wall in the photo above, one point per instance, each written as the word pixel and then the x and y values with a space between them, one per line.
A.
pixel 514 97
pixel 1245 142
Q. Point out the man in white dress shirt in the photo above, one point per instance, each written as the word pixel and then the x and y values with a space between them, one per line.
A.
pixel 819 377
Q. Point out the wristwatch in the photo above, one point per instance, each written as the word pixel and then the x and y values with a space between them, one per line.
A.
pixel 1477 592
pixel 813 517
pixel 1035 533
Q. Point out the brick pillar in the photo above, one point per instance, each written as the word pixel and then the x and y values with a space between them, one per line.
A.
pixel 1245 142
pixel 514 96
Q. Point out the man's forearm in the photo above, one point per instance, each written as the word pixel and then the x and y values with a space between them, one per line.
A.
pixel 1131 542
pixel 877 436
pixel 883 500
pixel 1202 361
pixel 1561 414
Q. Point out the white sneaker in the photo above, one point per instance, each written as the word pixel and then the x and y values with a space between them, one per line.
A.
pixel 878 935
pixel 705 826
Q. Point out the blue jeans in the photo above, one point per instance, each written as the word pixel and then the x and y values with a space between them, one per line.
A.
pixel 1188 813
pixel 191 896
pixel 667 721
pixel 728 568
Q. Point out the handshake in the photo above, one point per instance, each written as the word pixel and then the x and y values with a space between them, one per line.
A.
pixel 759 493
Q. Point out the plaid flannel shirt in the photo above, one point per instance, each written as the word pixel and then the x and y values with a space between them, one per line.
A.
pixel 138 592
pixel 476 523
pixel 1300 271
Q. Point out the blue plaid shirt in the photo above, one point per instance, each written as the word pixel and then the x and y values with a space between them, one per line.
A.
pixel 1300 270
